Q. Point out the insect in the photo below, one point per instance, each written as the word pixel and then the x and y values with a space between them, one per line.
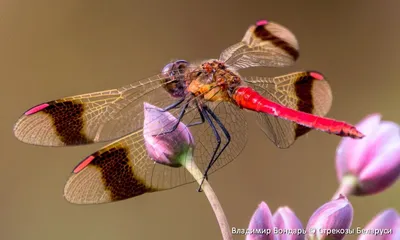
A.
pixel 208 96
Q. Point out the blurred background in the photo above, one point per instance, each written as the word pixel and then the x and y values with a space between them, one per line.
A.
pixel 51 49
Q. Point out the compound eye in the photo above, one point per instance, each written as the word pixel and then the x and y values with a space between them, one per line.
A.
pixel 167 69
pixel 179 62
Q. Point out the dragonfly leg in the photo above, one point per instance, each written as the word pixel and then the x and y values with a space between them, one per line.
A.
pixel 181 114
pixel 218 138
pixel 224 130
pixel 227 135
pixel 201 116
pixel 174 105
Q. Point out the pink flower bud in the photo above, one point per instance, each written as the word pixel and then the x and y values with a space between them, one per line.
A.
pixel 289 226
pixel 331 221
pixel 171 148
pixel 385 226
pixel 372 163
pixel 261 224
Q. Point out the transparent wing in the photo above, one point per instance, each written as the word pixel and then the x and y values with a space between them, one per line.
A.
pixel 264 44
pixel 124 170
pixel 92 117
pixel 305 91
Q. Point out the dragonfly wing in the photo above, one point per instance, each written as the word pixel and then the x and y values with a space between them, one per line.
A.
pixel 305 91
pixel 228 52
pixel 265 44
pixel 123 169
pixel 91 117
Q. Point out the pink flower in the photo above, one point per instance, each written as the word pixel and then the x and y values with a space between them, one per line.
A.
pixel 385 226
pixel 261 224
pixel 171 148
pixel 287 224
pixel 372 164
pixel 283 225
pixel 331 221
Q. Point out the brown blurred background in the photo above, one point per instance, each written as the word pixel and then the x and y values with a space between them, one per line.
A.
pixel 51 49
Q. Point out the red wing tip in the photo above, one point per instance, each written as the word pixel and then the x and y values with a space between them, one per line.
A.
pixel 83 164
pixel 316 75
pixel 261 22
pixel 36 109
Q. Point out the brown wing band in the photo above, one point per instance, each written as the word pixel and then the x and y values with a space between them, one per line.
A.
pixel 68 121
pixel 303 88
pixel 117 174
pixel 265 35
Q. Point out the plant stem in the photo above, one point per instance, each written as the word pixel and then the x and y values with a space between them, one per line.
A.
pixel 212 198
pixel 347 186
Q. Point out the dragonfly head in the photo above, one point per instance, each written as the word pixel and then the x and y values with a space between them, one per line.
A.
pixel 174 67
pixel 173 79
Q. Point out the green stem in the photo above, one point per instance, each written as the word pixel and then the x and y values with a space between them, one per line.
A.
pixel 212 198
pixel 347 186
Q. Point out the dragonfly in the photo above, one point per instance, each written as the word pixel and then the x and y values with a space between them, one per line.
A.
pixel 208 96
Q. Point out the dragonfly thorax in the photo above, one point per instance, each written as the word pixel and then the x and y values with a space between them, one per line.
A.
pixel 213 81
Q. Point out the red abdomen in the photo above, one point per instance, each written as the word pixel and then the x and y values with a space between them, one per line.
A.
pixel 248 98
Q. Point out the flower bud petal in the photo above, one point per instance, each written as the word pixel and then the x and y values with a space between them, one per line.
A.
pixel 385 220
pixel 336 215
pixel 171 148
pixel 373 160
pixel 286 220
pixel 382 172
pixel 350 152
pixel 261 220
